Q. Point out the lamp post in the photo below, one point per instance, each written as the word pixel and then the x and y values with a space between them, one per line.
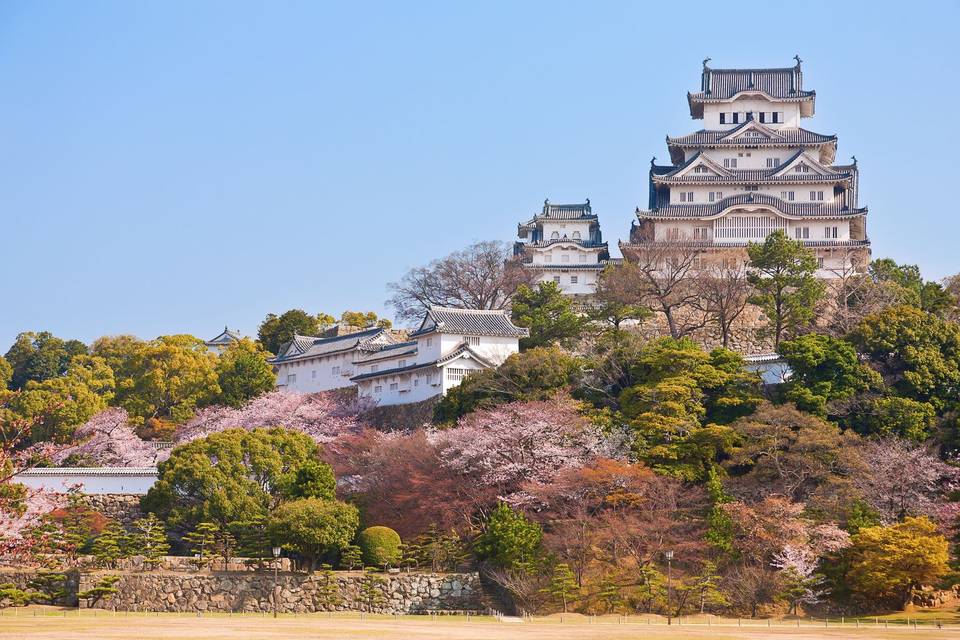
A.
pixel 276 571
pixel 668 554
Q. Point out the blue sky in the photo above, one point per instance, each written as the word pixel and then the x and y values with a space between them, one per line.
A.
pixel 176 166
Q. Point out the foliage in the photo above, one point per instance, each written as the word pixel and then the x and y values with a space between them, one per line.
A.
pixel 438 550
pixel 50 586
pixel 110 545
pixel 149 539
pixel 548 313
pixel 508 538
pixel 40 356
pixel 563 584
pixel 373 591
pixel 351 557
pixel 243 373
pixel 782 274
pixel 6 372
pixel 229 476
pixel 680 396
pixel 380 546
pixel 484 275
pixel 275 331
pixel 824 369
pixel 534 374
pixel 364 320
pixel 313 527
pixel 719 526
pixel 17 597
pixel 327 595
pixel 107 439
pixel 888 562
pixel 105 586
pixel 83 390
pixel 900 417
pixel 202 541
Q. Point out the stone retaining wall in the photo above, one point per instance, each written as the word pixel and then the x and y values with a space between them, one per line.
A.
pixel 122 507
pixel 298 593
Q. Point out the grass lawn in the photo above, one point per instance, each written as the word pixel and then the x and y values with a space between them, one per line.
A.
pixel 49 623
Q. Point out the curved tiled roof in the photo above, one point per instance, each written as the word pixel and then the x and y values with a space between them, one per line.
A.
pixel 721 137
pixel 87 471
pixel 782 84
pixel 470 322
pixel 388 351
pixel 800 209
pixel 552 211
pixel 708 244
pixel 309 346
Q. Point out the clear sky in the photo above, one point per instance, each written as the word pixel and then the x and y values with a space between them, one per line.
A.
pixel 175 166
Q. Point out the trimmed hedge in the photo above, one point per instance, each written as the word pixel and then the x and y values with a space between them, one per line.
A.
pixel 380 546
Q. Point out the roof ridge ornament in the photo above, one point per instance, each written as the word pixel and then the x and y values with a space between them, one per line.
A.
pixel 653 160
pixel 854 158
pixel 797 58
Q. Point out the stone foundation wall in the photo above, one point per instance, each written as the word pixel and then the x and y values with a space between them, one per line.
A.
pixel 744 335
pixel 298 593
pixel 122 507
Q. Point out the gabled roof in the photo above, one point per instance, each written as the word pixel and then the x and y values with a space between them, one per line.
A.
pixel 697 159
pixel 460 350
pixel 310 346
pixel 785 137
pixel 779 174
pixel 552 211
pixel 469 322
pixel 226 337
pixel 780 84
pixel 387 351
pixel 788 209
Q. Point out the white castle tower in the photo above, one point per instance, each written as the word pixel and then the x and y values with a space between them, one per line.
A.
pixel 752 170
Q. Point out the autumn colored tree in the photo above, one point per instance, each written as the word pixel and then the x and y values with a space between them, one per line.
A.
pixel 886 563
pixel 782 273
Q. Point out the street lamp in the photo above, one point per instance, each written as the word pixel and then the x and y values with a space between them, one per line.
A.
pixel 276 570
pixel 668 554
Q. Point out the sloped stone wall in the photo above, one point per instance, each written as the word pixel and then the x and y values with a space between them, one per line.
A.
pixel 122 507
pixel 298 593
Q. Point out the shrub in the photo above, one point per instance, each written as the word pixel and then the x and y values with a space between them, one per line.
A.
pixel 380 546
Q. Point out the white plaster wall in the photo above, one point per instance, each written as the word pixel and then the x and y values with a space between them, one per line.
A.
pixel 575 255
pixel 701 193
pixel 586 283
pixel 317 374
pixel 711 112
pixel 92 484
pixel 566 229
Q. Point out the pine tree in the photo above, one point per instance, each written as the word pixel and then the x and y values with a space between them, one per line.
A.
pixel 50 585
pixel 104 587
pixel 609 595
pixel 252 539
pixel 110 545
pixel 149 539
pixel 372 589
pixel 328 595
pixel 203 541
pixel 351 556
pixel 563 584
pixel 719 525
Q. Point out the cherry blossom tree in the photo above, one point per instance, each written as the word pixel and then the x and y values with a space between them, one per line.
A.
pixel 904 478
pixel 322 416
pixel 107 439
pixel 508 445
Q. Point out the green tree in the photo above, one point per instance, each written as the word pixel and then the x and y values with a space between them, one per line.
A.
pixel 51 586
pixel 243 373
pixel 364 320
pixel 886 563
pixel 548 314
pixel 202 541
pixel 40 356
pixel 105 586
pixel 275 331
pixel 149 539
pixel 313 528
pixel 327 596
pixel 896 416
pixel 680 401
pixel 609 595
pixel 380 546
pixel 230 476
pixel 719 525
pixel 6 373
pixel 373 591
pixel 312 479
pixel 508 538
pixel 172 376
pixel 253 538
pixel 351 557
pixel 563 584
pixel 782 274
pixel 824 369
pixel 63 403
pixel 110 545
pixel 534 374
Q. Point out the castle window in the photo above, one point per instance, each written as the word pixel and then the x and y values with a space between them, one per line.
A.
pixel 830 232
pixel 816 195
pixel 576 235
pixel 455 375
pixel 787 195
pixel 583 257
pixel 723 118
pixel 473 341
pixel 763 116
pixel 374 368
pixel 820 262
pixel 377 389
pixel 402 363
pixel 730 163
pixel 801 233
pixel 573 279
pixel 736 117
pixel 555 235
pixel 313 374
pixel 700 169
pixel 393 386
pixel 291 378
pixel 565 257
pixel 686 196
pixel 548 257
pixel 777 116
pixel 751 187
pixel 335 370
pixel 773 162
pixel 556 279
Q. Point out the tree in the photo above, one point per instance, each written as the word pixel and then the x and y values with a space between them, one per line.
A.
pixel 85 389
pixel 534 374
pixel 485 275
pixel 782 273
pixel 327 597
pixel 800 582
pixel 275 331
pixel 723 292
pixel 373 591
pixel 508 539
pixel 660 276
pixel 917 353
pixel 105 586
pixel 380 547
pixel 351 557
pixel 364 320
pixel 548 313
pixel 174 376
pixel 110 545
pixel 243 373
pixel 313 527
pixel 40 356
pixel 229 476
pixel 107 439
pixel 563 584
pixel 253 539
pixel 886 563
pixel 203 541
pixel 824 369
pixel 322 416
pixel 900 417
pixel 149 539
pixel 6 372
